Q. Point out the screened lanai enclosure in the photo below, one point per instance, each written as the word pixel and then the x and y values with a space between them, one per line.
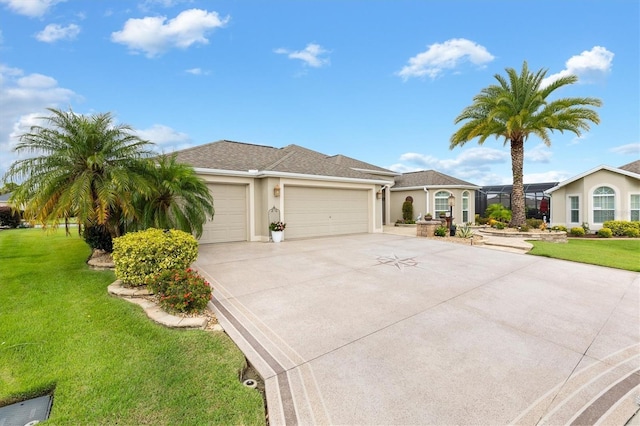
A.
pixel 537 204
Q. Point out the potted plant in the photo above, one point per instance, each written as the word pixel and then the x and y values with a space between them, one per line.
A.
pixel 428 216
pixel 277 231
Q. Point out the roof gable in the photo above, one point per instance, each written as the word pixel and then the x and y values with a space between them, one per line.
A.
pixel 352 163
pixel 429 178
pixel 592 171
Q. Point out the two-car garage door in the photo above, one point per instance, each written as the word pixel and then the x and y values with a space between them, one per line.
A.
pixel 308 212
pixel 230 220
pixel 316 212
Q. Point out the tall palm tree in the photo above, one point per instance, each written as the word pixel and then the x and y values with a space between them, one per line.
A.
pixel 516 108
pixel 179 199
pixel 84 167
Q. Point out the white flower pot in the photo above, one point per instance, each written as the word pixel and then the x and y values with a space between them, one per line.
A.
pixel 276 236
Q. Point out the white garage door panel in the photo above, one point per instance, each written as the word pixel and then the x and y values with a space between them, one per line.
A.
pixel 230 220
pixel 315 212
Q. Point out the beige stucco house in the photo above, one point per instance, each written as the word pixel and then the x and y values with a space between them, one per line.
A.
pixel 430 191
pixel 314 194
pixel 596 196
pixel 4 199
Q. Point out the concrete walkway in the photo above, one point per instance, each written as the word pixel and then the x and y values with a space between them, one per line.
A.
pixel 389 329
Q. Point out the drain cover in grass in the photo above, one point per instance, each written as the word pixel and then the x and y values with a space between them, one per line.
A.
pixel 27 412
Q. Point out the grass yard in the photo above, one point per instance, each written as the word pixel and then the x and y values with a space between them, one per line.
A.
pixel 620 254
pixel 106 362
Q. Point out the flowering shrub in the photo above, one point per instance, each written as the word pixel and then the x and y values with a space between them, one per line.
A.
pixel 180 290
pixel 277 226
pixel 138 255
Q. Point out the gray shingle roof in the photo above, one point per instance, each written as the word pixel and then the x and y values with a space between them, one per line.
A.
pixel 357 164
pixel 239 156
pixel 428 178
pixel 633 167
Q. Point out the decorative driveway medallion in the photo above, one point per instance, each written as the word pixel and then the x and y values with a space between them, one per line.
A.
pixel 399 263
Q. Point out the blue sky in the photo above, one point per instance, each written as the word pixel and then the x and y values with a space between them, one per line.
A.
pixel 380 81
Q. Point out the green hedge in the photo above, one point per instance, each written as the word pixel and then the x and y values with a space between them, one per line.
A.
pixel 621 228
pixel 577 231
pixel 605 233
pixel 138 256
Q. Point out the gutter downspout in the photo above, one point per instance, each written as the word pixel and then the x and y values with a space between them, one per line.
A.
pixel 426 203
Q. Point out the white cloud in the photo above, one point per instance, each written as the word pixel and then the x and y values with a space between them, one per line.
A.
pixel 550 176
pixel 443 56
pixel 197 71
pixel 55 32
pixel 165 138
pixel 24 97
pixel 628 149
pixel 538 154
pixel 31 8
pixel 310 55
pixel 590 66
pixel 472 165
pixel 156 35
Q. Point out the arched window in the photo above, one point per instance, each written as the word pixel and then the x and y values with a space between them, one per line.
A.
pixel 465 207
pixel 604 201
pixel 441 202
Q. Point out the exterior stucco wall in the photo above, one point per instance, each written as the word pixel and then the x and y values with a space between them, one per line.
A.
pixel 583 188
pixel 397 199
pixel 424 202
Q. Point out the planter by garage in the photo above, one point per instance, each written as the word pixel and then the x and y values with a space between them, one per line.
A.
pixel 277 236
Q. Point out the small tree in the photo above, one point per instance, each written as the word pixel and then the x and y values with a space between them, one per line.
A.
pixel 82 167
pixel 518 107
pixel 407 209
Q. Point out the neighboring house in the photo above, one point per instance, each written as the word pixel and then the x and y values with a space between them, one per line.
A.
pixel 316 195
pixel 4 199
pixel 430 191
pixel 596 196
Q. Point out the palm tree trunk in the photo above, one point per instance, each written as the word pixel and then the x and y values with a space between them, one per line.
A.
pixel 518 217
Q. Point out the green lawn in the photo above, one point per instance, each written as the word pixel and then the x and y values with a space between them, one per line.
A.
pixel 106 362
pixel 620 254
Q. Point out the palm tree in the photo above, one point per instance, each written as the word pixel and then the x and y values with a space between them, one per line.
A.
pixel 516 108
pixel 179 199
pixel 84 167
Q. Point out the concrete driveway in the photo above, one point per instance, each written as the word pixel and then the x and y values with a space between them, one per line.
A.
pixel 390 329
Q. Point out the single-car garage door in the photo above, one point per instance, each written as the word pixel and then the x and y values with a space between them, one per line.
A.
pixel 230 220
pixel 316 212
